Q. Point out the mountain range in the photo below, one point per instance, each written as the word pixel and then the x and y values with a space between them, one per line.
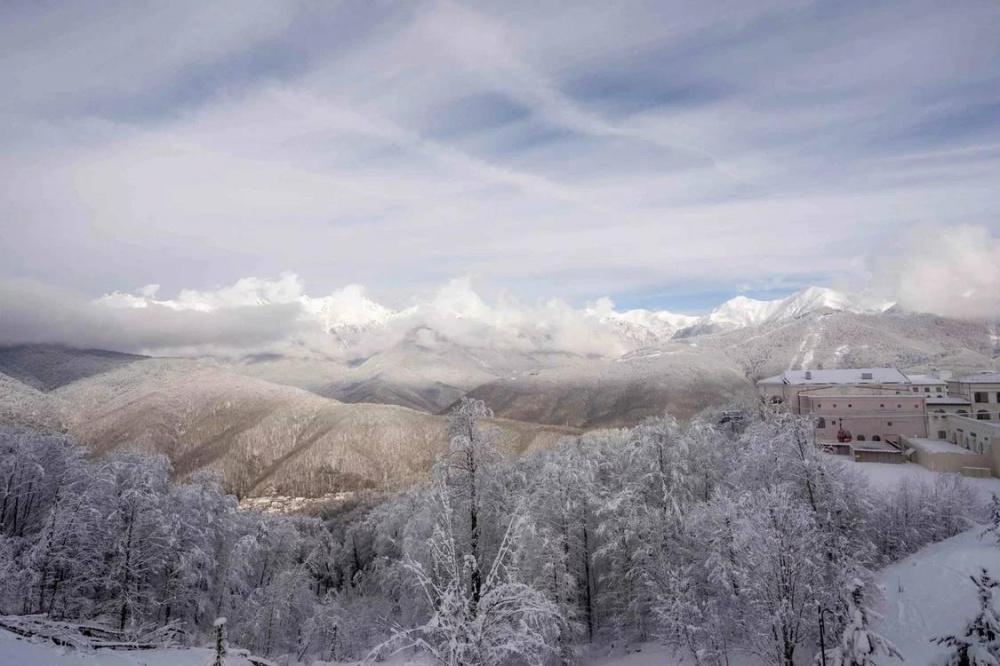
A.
pixel 371 417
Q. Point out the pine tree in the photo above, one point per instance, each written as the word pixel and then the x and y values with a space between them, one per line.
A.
pixel 858 643
pixel 979 645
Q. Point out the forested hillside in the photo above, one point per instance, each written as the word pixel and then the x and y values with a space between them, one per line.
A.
pixel 720 541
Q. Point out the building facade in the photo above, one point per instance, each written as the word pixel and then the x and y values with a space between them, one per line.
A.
pixel 982 390
pixel 866 414
pixel 945 424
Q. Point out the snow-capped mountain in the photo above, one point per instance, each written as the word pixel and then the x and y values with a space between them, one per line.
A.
pixel 347 313
pixel 359 325
pixel 646 327
pixel 740 312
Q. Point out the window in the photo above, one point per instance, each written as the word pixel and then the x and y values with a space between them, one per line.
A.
pixel 888 423
pixel 882 405
pixel 861 438
pixel 998 396
pixel 899 406
pixel 916 389
pixel 980 396
pixel 876 438
pixel 927 389
pixel 942 434
pixel 962 412
pixel 821 422
pixel 849 405
pixel 983 415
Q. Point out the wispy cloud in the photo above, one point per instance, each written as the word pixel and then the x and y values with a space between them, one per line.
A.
pixel 555 151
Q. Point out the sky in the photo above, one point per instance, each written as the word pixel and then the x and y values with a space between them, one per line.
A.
pixel 663 154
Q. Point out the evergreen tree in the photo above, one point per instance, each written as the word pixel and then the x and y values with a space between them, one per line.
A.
pixel 858 643
pixel 979 644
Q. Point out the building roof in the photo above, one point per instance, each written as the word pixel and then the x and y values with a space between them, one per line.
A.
pixel 980 378
pixel 839 376
pixel 925 379
pixel 852 391
pixel 946 400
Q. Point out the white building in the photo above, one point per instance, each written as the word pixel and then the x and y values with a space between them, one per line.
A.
pixel 982 390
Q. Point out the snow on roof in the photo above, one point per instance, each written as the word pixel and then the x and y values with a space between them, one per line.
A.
pixel 925 379
pixel 980 378
pixel 845 376
pixel 936 446
pixel 850 391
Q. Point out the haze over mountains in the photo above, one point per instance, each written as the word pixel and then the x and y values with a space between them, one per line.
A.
pixel 363 410
pixel 356 323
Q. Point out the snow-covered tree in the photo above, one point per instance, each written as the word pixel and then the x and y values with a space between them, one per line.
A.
pixel 472 450
pixel 859 644
pixel 979 644
pixel 994 518
pixel 507 620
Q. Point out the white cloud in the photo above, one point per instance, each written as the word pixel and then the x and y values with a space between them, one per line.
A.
pixel 952 271
pixel 570 151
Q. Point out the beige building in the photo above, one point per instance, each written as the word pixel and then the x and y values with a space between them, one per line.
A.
pixel 867 414
pixel 928 385
pixel 785 389
pixel 938 409
pixel 969 446
pixel 884 415
pixel 982 390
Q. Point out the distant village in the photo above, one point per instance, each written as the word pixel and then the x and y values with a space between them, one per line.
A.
pixel 947 424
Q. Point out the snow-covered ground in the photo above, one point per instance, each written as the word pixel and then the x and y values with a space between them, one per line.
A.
pixel 884 475
pixel 929 594
pixel 652 654
pixel 17 651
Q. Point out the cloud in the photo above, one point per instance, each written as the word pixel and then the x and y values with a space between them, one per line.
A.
pixel 954 272
pixel 553 151
pixel 256 315
pixel 950 271
pixel 32 313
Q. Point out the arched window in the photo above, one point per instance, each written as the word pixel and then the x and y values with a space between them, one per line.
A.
pixel 876 438
pixel 861 438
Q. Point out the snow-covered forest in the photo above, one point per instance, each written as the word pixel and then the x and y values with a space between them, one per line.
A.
pixel 732 535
